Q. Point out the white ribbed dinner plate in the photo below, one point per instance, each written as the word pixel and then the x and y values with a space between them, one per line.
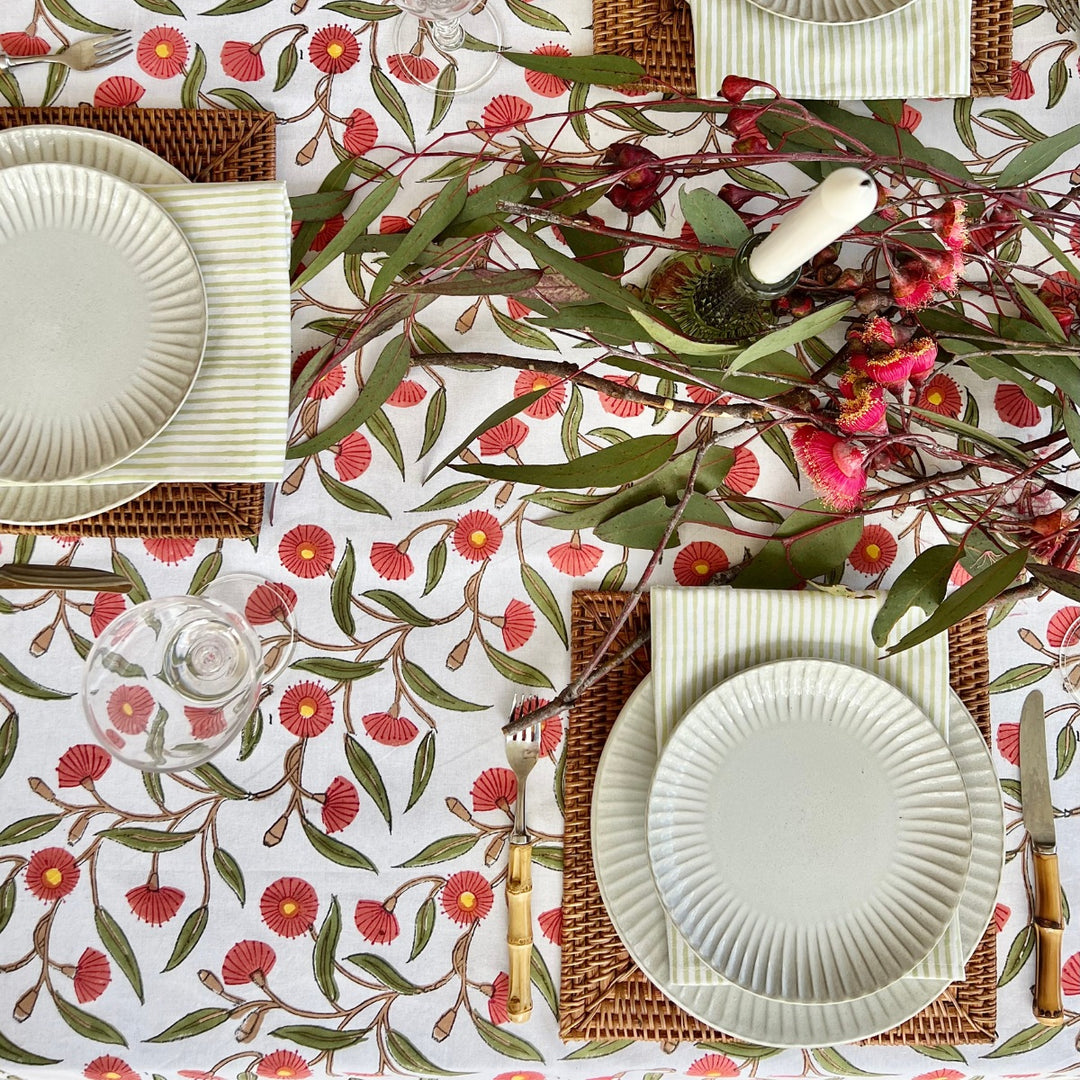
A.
pixel 808 831
pixel 831 12
pixel 53 504
pixel 620 858
pixel 104 317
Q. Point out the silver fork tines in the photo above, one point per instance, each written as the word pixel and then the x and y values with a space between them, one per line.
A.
pixel 522 751
pixel 89 54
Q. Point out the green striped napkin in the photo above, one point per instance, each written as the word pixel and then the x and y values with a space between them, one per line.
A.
pixel 923 50
pixel 234 424
pixel 701 636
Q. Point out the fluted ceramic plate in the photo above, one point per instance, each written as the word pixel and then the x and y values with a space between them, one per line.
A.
pixel 808 831
pixel 53 504
pixel 831 12
pixel 104 317
pixel 84 146
pixel 620 858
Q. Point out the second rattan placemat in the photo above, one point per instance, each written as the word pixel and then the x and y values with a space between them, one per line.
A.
pixel 604 995
pixel 205 145
pixel 659 34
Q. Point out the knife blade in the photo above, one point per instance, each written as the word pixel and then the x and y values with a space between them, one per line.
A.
pixel 33 576
pixel 1038 813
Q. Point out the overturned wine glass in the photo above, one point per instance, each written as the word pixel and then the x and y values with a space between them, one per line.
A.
pixel 464 35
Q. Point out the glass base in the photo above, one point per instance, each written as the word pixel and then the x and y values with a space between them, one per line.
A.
pixel 430 60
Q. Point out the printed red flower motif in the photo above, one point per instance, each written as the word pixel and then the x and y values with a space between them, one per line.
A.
pixel 495 789
pixel 107 606
pixel 117 92
pixel 1023 86
pixel 940 1074
pixel 910 117
pixel 834 466
pixel 162 52
pixel 550 731
pixel 19 43
pixel 327 231
pixel 327 384
pixel 129 708
pixel 617 406
pixel 109 1067
pixel 245 960
pixel 361 133
pixel 702 395
pixel 1008 740
pixel 466 897
pixel 520 1075
pixel 334 50
pixel 1015 407
pixel 269 602
pixel 283 1065
pixel 170 549
pixel 574 558
pixel 1062 630
pixel 505 111
pixel 500 991
pixel 240 60
pixel 698 562
pixel 1070 975
pixel 92 976
pixel 1001 916
pixel 51 873
pixel 388 729
pixel 82 765
pixel 543 408
pixel 376 922
pixel 205 723
pixel 352 456
pixel 504 438
pixel 407 394
pixel 477 536
pixel 409 68
pixel 390 562
pixel 713 1065
pixel 393 223
pixel 289 906
pixel 307 551
pixel 518 625
pixel 959 576
pixel 516 309
pixel 551 925
pixel 155 904
pixel 543 83
pixel 940 395
pixel 306 710
pixel 341 806
pixel 874 551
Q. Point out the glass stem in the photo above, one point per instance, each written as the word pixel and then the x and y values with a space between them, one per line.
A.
pixel 448 34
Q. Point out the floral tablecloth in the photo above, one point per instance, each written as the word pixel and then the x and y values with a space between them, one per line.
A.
pixel 328 897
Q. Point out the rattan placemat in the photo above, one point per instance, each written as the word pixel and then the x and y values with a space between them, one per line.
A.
pixel 604 995
pixel 659 34
pixel 205 145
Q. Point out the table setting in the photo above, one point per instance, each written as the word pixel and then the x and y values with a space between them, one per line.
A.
pixel 538 541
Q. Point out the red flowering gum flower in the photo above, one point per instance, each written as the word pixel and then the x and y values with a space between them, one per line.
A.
pixel 205 723
pixel 283 1065
pixel 834 466
pixel 51 874
pixel 575 558
pixel 352 456
pixel 874 335
pixel 107 606
pixel 543 408
pixel 19 43
pixel 478 536
pixel 269 602
pixel 246 961
pixel 941 395
pixel 409 68
pixel 698 562
pixel 911 286
pixel 129 708
pixel 713 1065
pixel 388 729
pixel 736 87
pixel 912 362
pixel 376 921
pixel 497 1003
pixel 495 789
pixel 863 409
pixel 289 906
pixel 162 52
pixel 306 710
pixel 1023 86
pixel 551 925
pixel 518 624
pixel 155 904
pixel 504 438
pixel 117 92
pixel 109 1067
pixel 361 132
pixel 240 60
pixel 306 551
pixel 82 765
pixel 92 975
pixel 341 805
pixel 466 897
pixel 874 551
pixel 390 562
pixel 334 49
pixel 545 83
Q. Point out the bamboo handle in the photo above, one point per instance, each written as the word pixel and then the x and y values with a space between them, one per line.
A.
pixel 1048 929
pixel 519 936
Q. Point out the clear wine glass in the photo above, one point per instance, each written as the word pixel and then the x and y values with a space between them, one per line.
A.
pixel 464 36
pixel 170 682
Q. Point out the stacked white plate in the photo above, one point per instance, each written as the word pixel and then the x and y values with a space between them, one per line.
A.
pixel 104 316
pixel 810 837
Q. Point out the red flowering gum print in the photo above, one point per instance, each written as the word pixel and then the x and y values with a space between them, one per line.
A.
pixel 376 922
pixel 283 1065
pixel 409 68
pixel 247 961
pixel 713 1065
pixel 92 976
pixel 51 874
pixel 543 408
pixel 269 602
pixel 1001 916
pixel 505 111
pixel 170 549
pixel 504 438
pixel 551 925
pixel 327 384
pixel 388 729
pixel 19 43
pixel 129 708
pixel 361 133
pixel 82 765
pixel 518 624
pixel 550 731
pixel 289 906
pixel 109 1067
pixel 240 60
pixel 1023 86
pixel 1062 629
pixel 574 558
pixel 307 551
pixel 106 608
pixel 390 562
pixel 618 406
pixel 407 394
pixel 544 83
pixel 500 990
pixel 940 394
pixel 205 723
pixel 699 562
pixel 874 551
pixel 341 805
pixel 940 1074
pixel 477 536
pixel 393 223
pixel 117 92
pixel 352 456
pixel 306 710
pixel 1015 407
pixel 334 49
pixel 1008 740
pixel 155 904
pixel 1070 975
pixel 744 472
pixel 495 789
pixel 162 52
pixel 520 1075
pixel 466 897
pixel 327 231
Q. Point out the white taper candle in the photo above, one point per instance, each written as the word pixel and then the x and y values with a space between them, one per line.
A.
pixel 834 207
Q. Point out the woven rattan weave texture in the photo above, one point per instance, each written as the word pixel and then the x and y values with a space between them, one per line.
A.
pixel 604 995
pixel 205 145
pixel 659 34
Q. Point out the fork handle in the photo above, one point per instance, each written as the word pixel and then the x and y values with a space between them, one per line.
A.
pixel 519 937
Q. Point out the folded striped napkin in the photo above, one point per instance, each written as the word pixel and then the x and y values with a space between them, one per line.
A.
pixel 701 636
pixel 234 424
pixel 923 50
